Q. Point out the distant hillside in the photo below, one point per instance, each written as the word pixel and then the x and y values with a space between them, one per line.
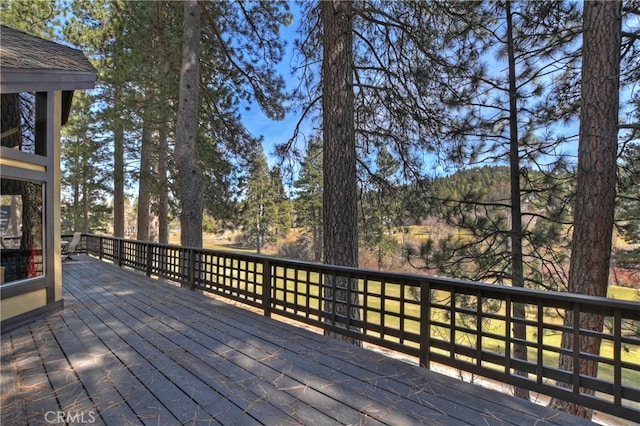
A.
pixel 487 183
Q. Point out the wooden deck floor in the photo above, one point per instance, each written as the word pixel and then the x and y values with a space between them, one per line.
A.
pixel 131 350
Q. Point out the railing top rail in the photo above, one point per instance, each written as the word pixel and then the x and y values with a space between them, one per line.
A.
pixel 469 285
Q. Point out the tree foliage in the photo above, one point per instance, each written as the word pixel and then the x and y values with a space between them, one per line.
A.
pixel 136 48
pixel 265 209
pixel 37 18
pixel 85 184
pixel 308 204
pixel 430 89
pixel 380 209
pixel 511 111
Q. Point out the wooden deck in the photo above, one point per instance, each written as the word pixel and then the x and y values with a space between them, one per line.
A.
pixel 132 350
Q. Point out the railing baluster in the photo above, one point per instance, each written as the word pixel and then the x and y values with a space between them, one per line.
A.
pixel 425 324
pixel 149 264
pixel 508 331
pixel 575 380
pixel 192 269
pixel 617 353
pixel 540 358
pixel 479 316
pixel 452 324
pixel 121 252
pixel 267 286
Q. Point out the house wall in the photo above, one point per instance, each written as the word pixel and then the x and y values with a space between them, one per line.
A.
pixel 23 300
pixel 24 303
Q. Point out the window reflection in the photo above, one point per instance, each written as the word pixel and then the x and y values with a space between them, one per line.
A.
pixel 19 122
pixel 21 227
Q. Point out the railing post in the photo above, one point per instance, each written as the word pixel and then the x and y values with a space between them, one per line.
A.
pixel 425 324
pixel 101 247
pixel 191 274
pixel 266 287
pixel 120 251
pixel 575 375
pixel 617 357
pixel 149 258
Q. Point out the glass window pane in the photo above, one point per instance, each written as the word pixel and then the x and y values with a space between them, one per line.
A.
pixel 21 228
pixel 24 122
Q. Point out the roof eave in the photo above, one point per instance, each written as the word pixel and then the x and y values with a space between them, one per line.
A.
pixel 13 80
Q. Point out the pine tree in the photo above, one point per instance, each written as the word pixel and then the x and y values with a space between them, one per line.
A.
pixel 85 180
pixel 136 52
pixel 263 203
pixel 37 18
pixel 98 28
pixel 240 47
pixel 596 180
pixel 380 212
pixel 189 173
pixel 628 202
pixel 377 75
pixel 283 208
pixel 339 159
pixel 517 105
pixel 627 216
pixel 309 198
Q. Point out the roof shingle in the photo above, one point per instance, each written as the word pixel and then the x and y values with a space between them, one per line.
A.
pixel 29 63
pixel 24 51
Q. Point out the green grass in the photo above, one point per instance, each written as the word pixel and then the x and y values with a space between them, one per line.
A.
pixel 624 293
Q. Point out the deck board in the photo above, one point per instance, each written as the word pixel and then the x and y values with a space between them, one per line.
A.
pixel 170 384
pixel 131 350
pixel 12 406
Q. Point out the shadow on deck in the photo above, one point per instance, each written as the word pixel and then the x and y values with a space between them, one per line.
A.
pixel 132 350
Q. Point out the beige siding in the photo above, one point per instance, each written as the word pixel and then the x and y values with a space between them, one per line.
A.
pixel 23 303
pixel 55 184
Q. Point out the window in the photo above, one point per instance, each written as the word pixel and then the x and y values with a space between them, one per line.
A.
pixel 21 229
pixel 24 122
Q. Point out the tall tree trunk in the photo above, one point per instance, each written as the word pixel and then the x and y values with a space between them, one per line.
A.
pixel 76 207
pixel 86 205
pixel 189 173
pixel 596 181
pixel 517 270
pixel 118 172
pixel 339 160
pixel 317 240
pixel 259 220
pixel 145 179
pixel 163 187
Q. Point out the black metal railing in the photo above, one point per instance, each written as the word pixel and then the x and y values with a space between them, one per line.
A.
pixel 460 324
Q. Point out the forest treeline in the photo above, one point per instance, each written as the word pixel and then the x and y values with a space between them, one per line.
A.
pixel 455 226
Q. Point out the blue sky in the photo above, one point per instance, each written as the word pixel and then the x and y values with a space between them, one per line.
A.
pixel 277 132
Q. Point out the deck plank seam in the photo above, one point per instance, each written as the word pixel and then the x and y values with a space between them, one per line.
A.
pixel 451 401
pixel 261 396
pixel 104 310
pixel 74 323
pixel 303 383
pixel 269 341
